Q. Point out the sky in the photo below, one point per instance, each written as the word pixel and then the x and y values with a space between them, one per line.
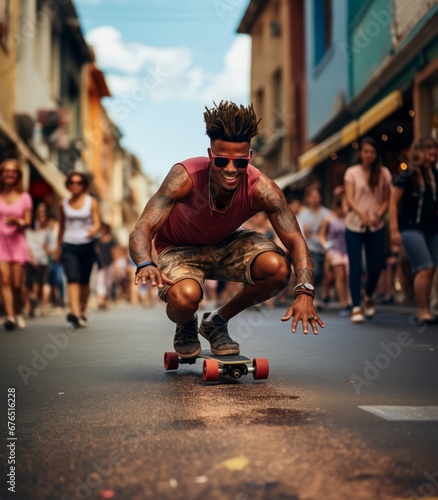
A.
pixel 164 61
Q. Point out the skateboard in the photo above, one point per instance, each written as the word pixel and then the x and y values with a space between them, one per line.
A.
pixel 234 366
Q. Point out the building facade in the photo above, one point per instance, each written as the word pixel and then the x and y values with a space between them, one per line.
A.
pixel 370 69
pixel 386 67
pixel 51 112
pixel 325 37
pixel 46 89
pixel 277 81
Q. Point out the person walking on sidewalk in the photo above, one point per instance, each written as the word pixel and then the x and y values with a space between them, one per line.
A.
pixel 194 219
pixel 367 191
pixel 15 216
pixel 55 276
pixel 38 238
pixel 105 247
pixel 79 224
pixel 332 236
pixel 413 217
pixel 310 219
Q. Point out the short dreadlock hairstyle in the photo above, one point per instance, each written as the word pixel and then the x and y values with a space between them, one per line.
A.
pixel 230 122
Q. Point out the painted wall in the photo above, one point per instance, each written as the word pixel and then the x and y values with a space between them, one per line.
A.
pixel 270 81
pixel 369 42
pixel 36 76
pixel 8 60
pixel 327 81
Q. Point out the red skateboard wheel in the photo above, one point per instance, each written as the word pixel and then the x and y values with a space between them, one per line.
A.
pixel 261 366
pixel 210 370
pixel 171 361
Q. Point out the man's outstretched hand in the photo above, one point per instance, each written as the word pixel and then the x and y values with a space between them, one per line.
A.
pixel 303 310
pixel 155 276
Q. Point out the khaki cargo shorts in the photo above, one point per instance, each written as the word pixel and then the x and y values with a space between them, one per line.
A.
pixel 229 260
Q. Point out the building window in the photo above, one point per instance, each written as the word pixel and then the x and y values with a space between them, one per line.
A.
pixel 4 24
pixel 322 16
pixel 275 28
pixel 275 22
pixel 277 100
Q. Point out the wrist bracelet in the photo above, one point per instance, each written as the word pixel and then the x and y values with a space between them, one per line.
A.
pixel 145 264
pixel 305 292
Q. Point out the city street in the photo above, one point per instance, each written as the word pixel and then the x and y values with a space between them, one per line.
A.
pixel 167 142
pixel 97 416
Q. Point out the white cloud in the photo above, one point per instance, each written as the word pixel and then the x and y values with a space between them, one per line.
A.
pixel 122 84
pixel 233 81
pixel 169 73
pixel 113 53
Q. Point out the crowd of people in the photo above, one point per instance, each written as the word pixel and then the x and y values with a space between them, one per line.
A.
pixel 360 247
pixel 378 223
pixel 42 254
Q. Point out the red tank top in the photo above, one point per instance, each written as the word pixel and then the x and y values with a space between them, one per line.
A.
pixel 193 223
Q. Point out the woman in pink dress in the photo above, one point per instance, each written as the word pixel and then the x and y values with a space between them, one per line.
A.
pixel 15 215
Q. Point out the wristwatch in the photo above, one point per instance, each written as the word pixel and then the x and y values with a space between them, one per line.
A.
pixel 307 286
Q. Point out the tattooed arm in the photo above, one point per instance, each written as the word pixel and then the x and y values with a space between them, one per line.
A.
pixel 175 188
pixel 270 199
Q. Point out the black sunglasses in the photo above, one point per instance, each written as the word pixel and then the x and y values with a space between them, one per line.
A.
pixel 222 161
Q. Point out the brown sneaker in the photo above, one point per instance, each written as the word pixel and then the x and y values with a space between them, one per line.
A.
pixel 186 342
pixel 369 307
pixel 221 343
pixel 357 315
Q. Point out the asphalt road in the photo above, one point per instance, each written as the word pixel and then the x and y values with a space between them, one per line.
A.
pixel 97 416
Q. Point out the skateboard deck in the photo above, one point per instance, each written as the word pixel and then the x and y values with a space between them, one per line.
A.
pixel 233 359
pixel 215 365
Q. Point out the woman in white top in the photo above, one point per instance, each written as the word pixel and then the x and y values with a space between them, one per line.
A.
pixel 79 223
pixel 367 191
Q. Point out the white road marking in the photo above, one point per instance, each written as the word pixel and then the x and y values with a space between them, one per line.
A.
pixel 407 413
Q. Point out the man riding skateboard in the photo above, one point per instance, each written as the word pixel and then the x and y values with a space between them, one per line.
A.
pixel 194 219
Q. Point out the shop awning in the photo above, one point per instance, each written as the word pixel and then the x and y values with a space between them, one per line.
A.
pixel 293 177
pixel 388 105
pixel 47 170
pixel 352 131
pixel 322 151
